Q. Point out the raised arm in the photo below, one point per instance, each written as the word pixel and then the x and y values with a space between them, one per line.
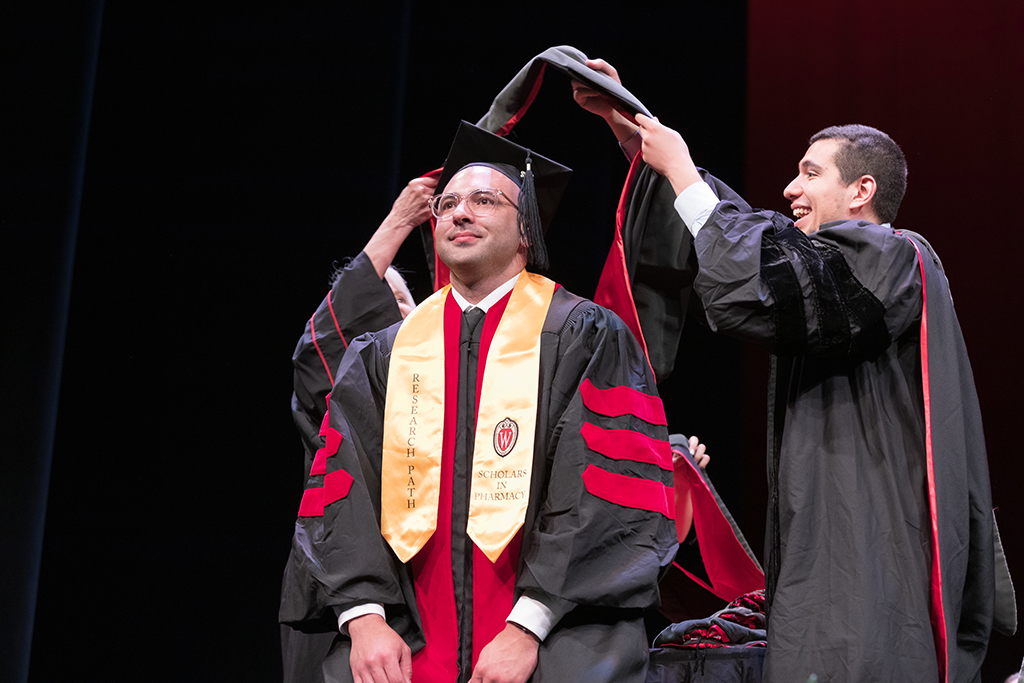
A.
pixel 409 211
pixel 360 300
pixel 666 152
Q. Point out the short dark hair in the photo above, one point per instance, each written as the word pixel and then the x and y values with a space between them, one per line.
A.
pixel 868 151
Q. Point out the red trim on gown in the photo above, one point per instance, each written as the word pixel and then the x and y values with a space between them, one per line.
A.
pixel 623 400
pixel 493 584
pixel 938 611
pixel 632 492
pixel 731 571
pixel 614 290
pixel 627 444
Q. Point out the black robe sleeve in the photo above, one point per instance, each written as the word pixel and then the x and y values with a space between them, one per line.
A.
pixel 339 559
pixel 583 547
pixel 831 294
pixel 358 302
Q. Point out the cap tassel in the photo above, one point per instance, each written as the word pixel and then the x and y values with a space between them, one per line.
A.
pixel 529 220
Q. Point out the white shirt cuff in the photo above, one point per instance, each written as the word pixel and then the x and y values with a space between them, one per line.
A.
pixel 534 616
pixel 695 205
pixel 357 611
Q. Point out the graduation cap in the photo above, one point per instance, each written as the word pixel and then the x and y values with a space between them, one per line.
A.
pixel 541 181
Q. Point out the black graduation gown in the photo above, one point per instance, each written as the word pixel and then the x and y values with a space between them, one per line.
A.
pixel 599 559
pixel 850 539
pixel 359 301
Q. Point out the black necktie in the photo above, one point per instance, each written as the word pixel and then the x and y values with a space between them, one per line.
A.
pixel 462 466
pixel 473 316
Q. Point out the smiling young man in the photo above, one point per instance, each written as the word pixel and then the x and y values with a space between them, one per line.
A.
pixel 848 173
pixel 880 538
pixel 879 548
pixel 493 500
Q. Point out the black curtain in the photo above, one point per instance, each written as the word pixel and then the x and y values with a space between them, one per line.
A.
pixel 49 68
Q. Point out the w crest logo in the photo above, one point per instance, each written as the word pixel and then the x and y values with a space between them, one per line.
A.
pixel 505 435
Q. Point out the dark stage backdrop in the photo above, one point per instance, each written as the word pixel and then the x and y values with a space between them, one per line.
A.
pixel 47 72
pixel 236 153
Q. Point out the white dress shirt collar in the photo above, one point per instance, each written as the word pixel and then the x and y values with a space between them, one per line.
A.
pixel 489 300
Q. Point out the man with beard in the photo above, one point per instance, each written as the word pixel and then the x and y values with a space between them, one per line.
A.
pixel 499 525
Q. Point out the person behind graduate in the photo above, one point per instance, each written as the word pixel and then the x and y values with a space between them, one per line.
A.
pixel 881 543
pixel 366 295
pixel 506 525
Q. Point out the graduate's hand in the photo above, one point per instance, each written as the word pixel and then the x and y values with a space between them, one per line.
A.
pixel 596 103
pixel 510 658
pixel 379 655
pixel 665 151
pixel 408 211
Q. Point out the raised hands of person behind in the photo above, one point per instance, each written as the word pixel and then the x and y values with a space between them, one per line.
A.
pixel 599 105
pixel 683 501
pixel 666 152
pixel 408 211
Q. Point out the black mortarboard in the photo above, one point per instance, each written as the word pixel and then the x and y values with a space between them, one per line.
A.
pixel 540 189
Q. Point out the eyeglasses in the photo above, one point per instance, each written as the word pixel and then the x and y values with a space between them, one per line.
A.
pixel 479 202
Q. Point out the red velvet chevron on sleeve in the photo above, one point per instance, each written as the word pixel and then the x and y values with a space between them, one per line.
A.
pixel 633 492
pixel 336 484
pixel 625 444
pixel 616 401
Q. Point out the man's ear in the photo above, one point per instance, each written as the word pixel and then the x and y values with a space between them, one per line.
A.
pixel 864 189
pixel 524 239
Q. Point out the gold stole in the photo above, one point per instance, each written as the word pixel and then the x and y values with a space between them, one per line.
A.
pixel 505 426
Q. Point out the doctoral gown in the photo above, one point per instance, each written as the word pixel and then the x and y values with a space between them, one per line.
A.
pixel 879 547
pixel 598 528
